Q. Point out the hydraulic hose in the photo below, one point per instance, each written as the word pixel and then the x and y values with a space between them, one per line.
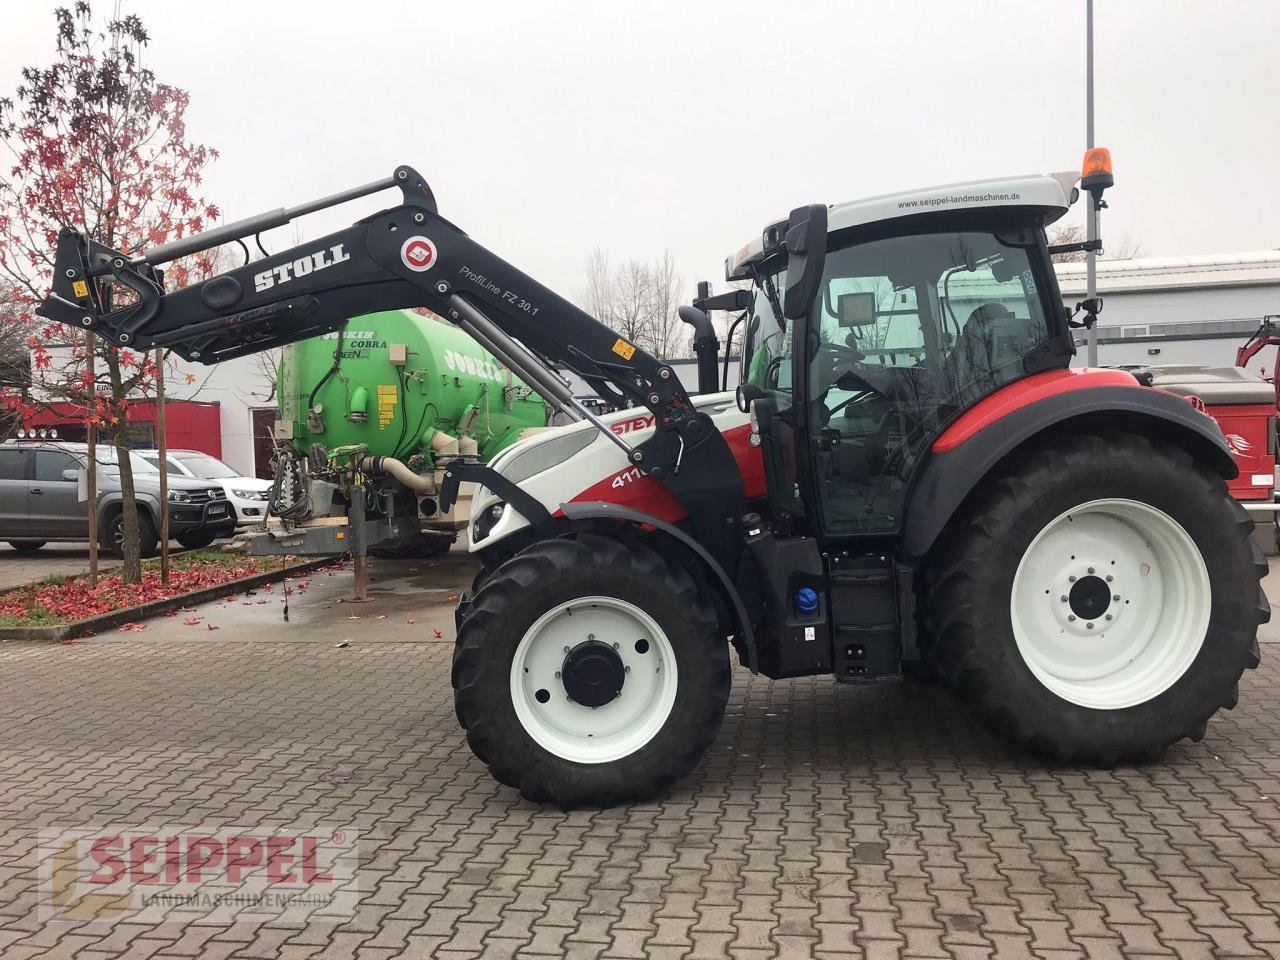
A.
pixel 394 468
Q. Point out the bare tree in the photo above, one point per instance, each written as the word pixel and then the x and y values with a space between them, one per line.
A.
pixel 667 334
pixel 598 289
pixel 1063 233
pixel 637 299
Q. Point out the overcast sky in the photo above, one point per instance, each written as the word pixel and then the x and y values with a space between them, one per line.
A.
pixel 548 128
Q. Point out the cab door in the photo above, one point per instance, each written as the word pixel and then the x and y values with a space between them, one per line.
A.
pixel 905 333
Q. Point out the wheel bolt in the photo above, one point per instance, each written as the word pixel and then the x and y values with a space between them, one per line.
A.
pixel 557 674
pixel 591 636
pixel 1064 598
pixel 1071 616
pixel 1115 597
pixel 566 649
pixel 1089 625
pixel 1108 616
pixel 1109 578
pixel 1071 579
pixel 1091 569
pixel 616 646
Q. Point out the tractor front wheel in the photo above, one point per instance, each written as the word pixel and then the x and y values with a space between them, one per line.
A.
pixel 590 671
pixel 1098 601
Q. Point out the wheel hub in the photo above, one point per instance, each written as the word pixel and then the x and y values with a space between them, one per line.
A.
pixel 1089 597
pixel 593 674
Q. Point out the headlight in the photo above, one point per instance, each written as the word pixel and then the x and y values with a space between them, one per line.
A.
pixel 547 454
pixel 250 494
pixel 179 496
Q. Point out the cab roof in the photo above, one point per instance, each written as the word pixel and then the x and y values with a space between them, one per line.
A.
pixel 1051 191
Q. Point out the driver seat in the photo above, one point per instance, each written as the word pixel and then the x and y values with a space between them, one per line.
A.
pixel 973 358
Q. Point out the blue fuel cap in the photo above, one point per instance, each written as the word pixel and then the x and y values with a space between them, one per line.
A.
pixel 806 601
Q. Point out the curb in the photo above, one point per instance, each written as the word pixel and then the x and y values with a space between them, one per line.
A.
pixel 105 621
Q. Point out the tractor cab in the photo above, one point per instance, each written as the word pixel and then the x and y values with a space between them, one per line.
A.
pixel 900 313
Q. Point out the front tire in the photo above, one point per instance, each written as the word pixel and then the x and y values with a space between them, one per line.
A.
pixel 590 671
pixel 27 546
pixel 148 539
pixel 1098 601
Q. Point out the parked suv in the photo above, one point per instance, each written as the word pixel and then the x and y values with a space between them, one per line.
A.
pixel 40 499
pixel 248 495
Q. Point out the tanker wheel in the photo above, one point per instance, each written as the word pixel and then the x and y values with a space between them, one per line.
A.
pixel 589 671
pixel 1098 601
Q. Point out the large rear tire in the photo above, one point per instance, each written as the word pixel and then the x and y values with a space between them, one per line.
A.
pixel 1098 601
pixel 590 671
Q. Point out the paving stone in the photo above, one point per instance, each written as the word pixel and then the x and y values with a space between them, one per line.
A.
pixel 825 822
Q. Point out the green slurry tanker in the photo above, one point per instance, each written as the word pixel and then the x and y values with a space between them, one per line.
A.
pixel 380 410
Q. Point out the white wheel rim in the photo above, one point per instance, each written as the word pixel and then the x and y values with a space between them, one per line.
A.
pixel 1142 643
pixel 618 728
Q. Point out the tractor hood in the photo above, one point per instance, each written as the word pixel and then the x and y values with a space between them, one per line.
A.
pixel 578 462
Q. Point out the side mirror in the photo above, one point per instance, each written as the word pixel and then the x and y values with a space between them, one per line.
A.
pixel 806 255
pixel 72 475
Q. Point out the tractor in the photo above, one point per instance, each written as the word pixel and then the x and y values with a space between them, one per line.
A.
pixel 910 478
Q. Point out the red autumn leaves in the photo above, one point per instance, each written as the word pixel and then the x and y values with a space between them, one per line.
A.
pixel 75 599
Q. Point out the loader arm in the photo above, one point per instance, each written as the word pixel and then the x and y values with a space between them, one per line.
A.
pixel 405 256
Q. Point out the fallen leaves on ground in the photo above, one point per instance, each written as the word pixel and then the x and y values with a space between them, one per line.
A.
pixel 74 599
pixel 132 627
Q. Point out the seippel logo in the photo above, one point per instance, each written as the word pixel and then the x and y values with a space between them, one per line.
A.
pixel 304 265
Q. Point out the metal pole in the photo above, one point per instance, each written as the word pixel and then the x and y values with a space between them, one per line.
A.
pixel 162 447
pixel 1091 210
pixel 91 456
pixel 359 547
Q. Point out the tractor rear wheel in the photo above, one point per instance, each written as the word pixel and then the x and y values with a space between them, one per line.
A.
pixel 590 671
pixel 1098 601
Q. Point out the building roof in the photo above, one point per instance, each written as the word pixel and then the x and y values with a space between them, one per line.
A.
pixel 1260 267
pixel 1031 190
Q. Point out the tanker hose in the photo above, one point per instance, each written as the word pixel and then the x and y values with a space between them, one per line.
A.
pixel 337 365
pixel 400 471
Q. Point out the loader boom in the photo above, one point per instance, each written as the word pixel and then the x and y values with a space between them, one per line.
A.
pixel 404 256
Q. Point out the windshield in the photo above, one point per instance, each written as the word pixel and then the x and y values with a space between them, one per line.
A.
pixel 207 468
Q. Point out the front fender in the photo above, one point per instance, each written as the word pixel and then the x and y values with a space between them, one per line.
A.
pixel 968 450
pixel 581 510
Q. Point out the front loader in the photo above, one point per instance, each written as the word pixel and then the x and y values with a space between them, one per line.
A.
pixel 910 476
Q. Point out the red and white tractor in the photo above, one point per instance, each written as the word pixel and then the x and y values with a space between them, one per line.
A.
pixel 910 473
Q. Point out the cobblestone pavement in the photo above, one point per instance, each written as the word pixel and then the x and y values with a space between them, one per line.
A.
pixel 826 821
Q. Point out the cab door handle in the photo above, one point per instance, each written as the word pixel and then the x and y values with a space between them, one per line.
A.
pixel 37 491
